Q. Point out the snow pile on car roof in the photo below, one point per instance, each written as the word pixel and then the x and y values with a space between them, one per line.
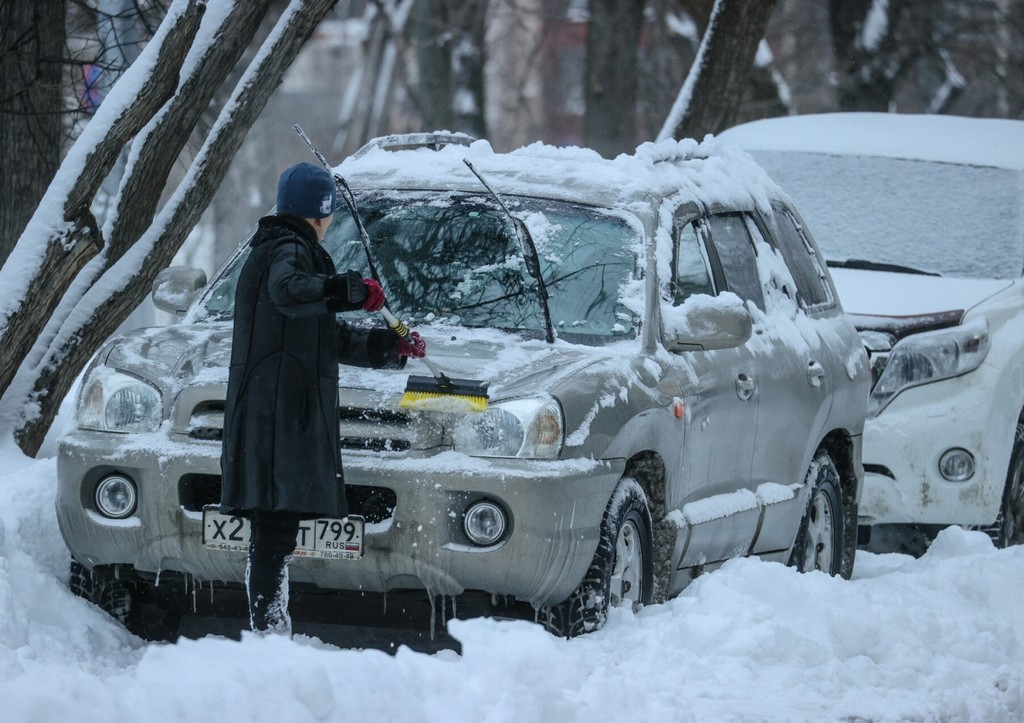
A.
pixel 654 170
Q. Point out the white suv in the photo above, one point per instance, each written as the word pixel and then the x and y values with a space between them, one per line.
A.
pixel 922 221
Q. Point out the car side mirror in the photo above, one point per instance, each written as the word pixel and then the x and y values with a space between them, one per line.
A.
pixel 703 322
pixel 176 287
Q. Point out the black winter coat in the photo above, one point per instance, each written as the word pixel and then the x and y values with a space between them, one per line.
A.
pixel 281 448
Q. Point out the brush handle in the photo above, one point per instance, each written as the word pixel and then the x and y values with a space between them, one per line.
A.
pixel 399 327
pixel 394 322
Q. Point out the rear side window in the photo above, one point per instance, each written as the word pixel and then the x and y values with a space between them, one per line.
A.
pixel 803 262
pixel 734 248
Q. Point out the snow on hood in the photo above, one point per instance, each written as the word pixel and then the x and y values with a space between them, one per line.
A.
pixel 175 355
pixel 200 354
pixel 882 293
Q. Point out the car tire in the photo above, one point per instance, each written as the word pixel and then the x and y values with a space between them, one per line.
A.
pixel 110 595
pixel 1010 528
pixel 622 571
pixel 125 602
pixel 820 541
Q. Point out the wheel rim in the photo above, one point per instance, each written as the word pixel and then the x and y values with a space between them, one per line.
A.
pixel 627 578
pixel 819 545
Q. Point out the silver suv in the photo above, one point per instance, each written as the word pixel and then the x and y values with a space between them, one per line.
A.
pixel 686 391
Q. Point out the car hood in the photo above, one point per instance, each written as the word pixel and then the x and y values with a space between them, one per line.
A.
pixel 199 355
pixel 883 293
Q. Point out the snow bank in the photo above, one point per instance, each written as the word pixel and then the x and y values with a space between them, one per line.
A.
pixel 939 638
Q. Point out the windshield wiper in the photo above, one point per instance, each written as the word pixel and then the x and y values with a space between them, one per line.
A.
pixel 530 256
pixel 878 266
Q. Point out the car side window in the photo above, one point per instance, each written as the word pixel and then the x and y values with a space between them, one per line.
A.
pixel 731 242
pixel 690 267
pixel 803 262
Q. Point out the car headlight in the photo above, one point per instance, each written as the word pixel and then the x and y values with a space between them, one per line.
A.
pixel 929 357
pixel 525 428
pixel 112 401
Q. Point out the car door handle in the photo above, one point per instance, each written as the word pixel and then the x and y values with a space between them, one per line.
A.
pixel 745 387
pixel 815 374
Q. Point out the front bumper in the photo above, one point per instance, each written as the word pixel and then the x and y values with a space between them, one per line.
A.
pixel 555 510
pixel 903 446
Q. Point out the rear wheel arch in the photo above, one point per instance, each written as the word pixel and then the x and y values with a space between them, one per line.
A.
pixel 841 449
pixel 821 541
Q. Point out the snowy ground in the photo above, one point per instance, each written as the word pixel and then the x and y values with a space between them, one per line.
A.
pixel 940 638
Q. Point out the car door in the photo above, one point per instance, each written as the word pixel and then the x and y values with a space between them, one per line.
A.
pixel 712 490
pixel 796 382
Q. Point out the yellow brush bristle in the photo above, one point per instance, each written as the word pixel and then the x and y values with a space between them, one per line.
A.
pixel 440 402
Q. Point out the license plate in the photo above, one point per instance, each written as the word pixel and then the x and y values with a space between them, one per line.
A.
pixel 325 537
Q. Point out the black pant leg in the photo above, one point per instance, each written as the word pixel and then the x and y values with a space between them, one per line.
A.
pixel 266 577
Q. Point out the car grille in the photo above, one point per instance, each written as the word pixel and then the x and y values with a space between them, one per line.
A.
pixel 374 504
pixel 375 430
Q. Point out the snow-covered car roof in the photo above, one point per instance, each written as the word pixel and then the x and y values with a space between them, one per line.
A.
pixel 709 170
pixel 994 142
pixel 939 194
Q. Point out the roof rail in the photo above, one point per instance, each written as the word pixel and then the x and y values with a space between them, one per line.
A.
pixel 410 141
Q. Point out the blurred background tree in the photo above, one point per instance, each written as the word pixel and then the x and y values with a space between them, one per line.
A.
pixel 570 72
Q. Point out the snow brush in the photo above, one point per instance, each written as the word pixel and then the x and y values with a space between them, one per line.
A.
pixel 439 393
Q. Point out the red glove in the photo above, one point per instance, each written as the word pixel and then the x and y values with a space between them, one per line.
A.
pixel 413 346
pixel 374 295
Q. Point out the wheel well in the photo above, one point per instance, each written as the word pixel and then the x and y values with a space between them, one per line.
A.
pixel 840 449
pixel 648 469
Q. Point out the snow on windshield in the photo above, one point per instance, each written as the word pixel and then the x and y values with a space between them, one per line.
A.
pixel 955 220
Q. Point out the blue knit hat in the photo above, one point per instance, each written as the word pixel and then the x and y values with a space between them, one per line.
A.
pixel 306 191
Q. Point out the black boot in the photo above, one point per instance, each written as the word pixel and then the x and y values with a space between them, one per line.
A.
pixel 266 576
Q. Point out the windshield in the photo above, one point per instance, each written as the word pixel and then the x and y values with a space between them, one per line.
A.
pixel 954 220
pixel 455 259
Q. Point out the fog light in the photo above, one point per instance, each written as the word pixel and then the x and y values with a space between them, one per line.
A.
pixel 956 465
pixel 116 497
pixel 484 523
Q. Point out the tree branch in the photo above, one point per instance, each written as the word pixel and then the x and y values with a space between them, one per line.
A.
pixel 127 282
pixel 71 245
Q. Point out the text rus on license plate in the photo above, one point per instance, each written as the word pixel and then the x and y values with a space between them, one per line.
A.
pixel 322 537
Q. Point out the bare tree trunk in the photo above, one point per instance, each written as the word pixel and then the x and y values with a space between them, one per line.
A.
pixel 449 46
pixel 672 39
pixel 354 118
pixel 471 62
pixel 163 140
pixel 365 106
pixel 710 97
pixel 127 282
pixel 431 33
pixel 74 242
pixel 611 80
pixel 866 67
pixel 768 93
pixel 31 109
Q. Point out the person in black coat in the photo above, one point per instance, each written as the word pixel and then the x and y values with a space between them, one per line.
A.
pixel 281 458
